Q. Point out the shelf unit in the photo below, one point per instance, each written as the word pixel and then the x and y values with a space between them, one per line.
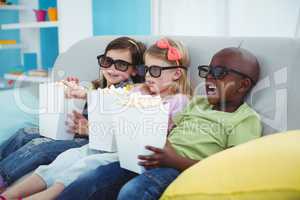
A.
pixel 24 78
pixel 29 25
pixel 68 31
pixel 15 7
pixel 29 36
pixel 11 46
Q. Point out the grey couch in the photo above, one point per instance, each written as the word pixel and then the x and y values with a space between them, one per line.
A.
pixel 275 97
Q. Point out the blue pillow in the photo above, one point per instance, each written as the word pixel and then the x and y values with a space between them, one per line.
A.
pixel 15 104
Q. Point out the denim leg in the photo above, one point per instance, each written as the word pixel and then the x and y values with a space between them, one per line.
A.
pixel 148 186
pixel 19 139
pixel 40 151
pixel 102 183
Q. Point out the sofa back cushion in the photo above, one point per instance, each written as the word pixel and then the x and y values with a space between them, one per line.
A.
pixel 275 97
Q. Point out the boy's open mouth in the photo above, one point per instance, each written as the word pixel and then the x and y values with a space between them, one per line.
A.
pixel 211 89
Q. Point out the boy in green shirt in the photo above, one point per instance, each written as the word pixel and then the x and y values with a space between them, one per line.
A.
pixel 206 126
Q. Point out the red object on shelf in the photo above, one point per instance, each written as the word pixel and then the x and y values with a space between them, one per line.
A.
pixel 10 82
pixel 40 15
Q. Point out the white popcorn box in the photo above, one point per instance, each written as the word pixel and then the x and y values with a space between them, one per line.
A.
pixel 54 108
pixel 143 122
pixel 103 105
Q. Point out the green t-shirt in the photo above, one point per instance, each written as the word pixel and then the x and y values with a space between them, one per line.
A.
pixel 201 131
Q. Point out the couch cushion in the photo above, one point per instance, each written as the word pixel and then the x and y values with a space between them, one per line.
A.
pixel 275 97
pixel 18 109
pixel 266 168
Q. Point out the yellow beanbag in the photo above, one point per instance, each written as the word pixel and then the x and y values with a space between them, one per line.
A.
pixel 264 169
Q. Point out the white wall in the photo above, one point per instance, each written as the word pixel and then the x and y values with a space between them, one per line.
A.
pixel 226 17
pixel 189 17
pixel 263 17
pixel 75 22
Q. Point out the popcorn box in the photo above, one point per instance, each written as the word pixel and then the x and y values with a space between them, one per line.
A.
pixel 144 121
pixel 54 108
pixel 103 106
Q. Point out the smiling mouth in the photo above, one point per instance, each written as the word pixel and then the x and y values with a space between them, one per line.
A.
pixel 113 75
pixel 149 82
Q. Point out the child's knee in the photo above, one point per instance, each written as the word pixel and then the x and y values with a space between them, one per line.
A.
pixel 24 135
pixel 21 133
pixel 128 191
pixel 137 188
pixel 31 130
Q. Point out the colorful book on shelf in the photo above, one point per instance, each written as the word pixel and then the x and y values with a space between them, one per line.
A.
pixel 4 42
pixel 16 70
pixel 38 73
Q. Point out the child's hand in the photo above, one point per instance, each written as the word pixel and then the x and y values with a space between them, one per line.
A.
pixel 77 124
pixel 74 90
pixel 76 93
pixel 71 82
pixel 72 79
pixel 165 157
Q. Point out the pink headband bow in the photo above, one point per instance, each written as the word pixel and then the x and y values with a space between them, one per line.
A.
pixel 173 53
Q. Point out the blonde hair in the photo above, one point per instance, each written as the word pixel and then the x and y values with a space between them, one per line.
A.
pixel 182 85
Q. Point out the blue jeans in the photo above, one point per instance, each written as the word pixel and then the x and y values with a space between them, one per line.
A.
pixel 27 150
pixel 148 186
pixel 105 182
